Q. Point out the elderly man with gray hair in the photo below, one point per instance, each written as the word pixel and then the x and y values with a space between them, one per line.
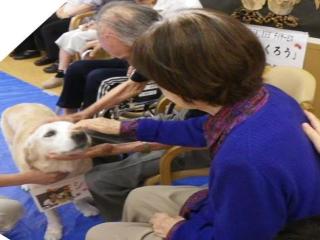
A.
pixel 118 24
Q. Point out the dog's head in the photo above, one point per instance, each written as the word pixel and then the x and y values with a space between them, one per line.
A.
pixel 57 137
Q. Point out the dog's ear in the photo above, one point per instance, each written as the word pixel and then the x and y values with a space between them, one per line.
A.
pixel 30 153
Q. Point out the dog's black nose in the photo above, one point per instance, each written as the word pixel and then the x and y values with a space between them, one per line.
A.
pixel 79 137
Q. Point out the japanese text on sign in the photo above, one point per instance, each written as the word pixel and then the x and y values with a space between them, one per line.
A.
pixel 282 47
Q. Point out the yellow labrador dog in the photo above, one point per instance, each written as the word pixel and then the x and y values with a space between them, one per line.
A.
pixel 30 141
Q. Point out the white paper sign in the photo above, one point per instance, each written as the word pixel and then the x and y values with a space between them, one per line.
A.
pixel 282 47
pixel 60 193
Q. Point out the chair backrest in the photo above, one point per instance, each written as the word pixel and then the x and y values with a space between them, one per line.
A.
pixel 79 19
pixel 296 82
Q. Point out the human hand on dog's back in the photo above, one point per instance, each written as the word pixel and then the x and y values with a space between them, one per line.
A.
pixel 102 125
pixel 75 117
pixel 107 149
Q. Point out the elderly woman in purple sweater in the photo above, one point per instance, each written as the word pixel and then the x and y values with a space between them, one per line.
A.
pixel 265 173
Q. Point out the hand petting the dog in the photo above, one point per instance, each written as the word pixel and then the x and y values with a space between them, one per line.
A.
pixel 102 125
pixel 107 149
pixel 162 223
pixel 75 117
pixel 313 129
pixel 95 151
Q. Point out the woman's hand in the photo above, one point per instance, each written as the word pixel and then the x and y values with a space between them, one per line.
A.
pixel 95 47
pixel 88 25
pixel 95 151
pixel 162 223
pixel 38 177
pixel 313 129
pixel 75 117
pixel 102 125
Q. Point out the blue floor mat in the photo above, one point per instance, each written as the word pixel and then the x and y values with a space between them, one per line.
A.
pixel 33 224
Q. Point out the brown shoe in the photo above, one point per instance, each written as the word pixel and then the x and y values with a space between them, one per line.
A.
pixel 52 83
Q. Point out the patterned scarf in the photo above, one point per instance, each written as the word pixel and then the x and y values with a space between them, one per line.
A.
pixel 219 126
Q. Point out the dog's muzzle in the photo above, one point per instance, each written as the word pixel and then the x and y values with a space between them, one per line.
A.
pixel 81 139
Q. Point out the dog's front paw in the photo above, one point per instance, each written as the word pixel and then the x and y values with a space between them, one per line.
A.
pixel 25 187
pixel 89 210
pixel 86 208
pixel 53 233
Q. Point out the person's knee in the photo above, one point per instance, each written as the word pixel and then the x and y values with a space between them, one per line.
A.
pixel 98 179
pixel 95 232
pixel 77 72
pixel 101 231
pixel 97 76
pixel 137 197
pixel 92 179
pixel 77 67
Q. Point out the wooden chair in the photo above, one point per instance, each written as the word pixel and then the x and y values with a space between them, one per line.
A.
pixel 311 64
pixel 75 22
pixel 296 82
pixel 166 175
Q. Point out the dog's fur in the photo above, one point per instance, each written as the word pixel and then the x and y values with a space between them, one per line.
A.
pixel 30 141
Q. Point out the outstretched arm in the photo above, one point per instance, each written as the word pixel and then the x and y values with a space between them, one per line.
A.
pixel 32 176
pixel 117 95
pixel 187 133
pixel 107 149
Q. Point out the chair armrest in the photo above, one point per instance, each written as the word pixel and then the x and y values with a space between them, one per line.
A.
pixel 76 20
pixel 162 105
pixel 166 174
pixel 307 105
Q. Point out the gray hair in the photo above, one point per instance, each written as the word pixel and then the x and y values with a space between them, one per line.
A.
pixel 128 20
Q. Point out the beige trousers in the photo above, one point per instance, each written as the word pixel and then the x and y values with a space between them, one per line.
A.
pixel 140 206
pixel 10 212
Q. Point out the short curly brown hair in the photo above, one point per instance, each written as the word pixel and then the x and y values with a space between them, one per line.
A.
pixel 201 55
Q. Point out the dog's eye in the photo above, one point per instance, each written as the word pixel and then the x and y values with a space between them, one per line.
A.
pixel 50 134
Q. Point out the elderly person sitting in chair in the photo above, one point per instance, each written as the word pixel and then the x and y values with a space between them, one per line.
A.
pixel 264 173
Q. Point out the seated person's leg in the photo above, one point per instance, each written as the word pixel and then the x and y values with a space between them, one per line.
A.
pixel 122 231
pixel 64 41
pixel 111 183
pixel 75 79
pixel 78 40
pixel 142 203
pixel 140 206
pixel 94 80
